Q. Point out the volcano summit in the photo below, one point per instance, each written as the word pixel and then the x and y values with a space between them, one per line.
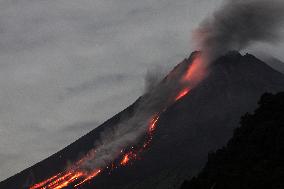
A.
pixel 184 121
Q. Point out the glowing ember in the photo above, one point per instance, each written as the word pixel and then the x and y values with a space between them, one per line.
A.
pixel 182 94
pixel 125 160
pixel 59 181
pixel 41 184
pixel 129 156
pixel 92 175
pixel 67 182
pixel 153 123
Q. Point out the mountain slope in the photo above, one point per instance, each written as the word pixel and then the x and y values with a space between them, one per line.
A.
pixel 253 158
pixel 200 122
pixel 273 62
pixel 276 64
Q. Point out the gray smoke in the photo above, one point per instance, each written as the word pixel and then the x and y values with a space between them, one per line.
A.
pixel 130 131
pixel 238 23
pixel 153 76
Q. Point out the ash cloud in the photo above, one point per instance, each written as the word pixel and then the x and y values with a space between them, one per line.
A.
pixel 238 24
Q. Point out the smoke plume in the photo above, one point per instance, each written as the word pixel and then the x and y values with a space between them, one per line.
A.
pixel 132 130
pixel 238 23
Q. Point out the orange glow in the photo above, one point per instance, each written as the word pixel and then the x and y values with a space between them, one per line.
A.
pixel 76 178
pixel 125 159
pixel 196 71
pixel 129 156
pixel 183 93
pixel 153 123
pixel 92 175
pixel 57 182
pixel 41 184
pixel 60 181
pixel 68 181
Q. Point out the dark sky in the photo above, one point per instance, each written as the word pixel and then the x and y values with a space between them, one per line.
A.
pixel 67 65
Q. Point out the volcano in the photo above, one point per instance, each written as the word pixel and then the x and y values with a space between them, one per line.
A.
pixel 200 120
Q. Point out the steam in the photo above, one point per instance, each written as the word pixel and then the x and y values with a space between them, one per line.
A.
pixel 153 76
pixel 238 24
pixel 133 129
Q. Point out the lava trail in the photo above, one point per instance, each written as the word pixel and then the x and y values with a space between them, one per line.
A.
pixel 76 177
pixel 78 174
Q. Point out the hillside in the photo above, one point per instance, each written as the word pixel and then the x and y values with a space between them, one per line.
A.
pixel 253 158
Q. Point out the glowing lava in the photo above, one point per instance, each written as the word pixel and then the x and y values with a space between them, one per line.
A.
pixel 41 184
pixel 196 71
pixel 66 182
pixel 62 180
pixel 76 175
pixel 182 94
pixel 91 176
pixel 125 160
pixel 153 124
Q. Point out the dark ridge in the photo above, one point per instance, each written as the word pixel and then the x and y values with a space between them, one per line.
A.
pixel 253 158
pixel 275 63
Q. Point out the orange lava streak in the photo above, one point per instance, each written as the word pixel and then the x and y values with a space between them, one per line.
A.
pixel 182 94
pixel 153 123
pixel 70 180
pixel 41 184
pixel 94 174
pixel 57 182
pixel 60 179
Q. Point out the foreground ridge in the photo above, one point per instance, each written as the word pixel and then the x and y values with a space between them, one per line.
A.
pixel 253 158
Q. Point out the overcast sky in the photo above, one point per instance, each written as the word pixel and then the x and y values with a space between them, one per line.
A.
pixel 66 66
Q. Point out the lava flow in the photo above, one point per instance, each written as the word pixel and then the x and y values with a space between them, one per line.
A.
pixel 183 93
pixel 76 175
